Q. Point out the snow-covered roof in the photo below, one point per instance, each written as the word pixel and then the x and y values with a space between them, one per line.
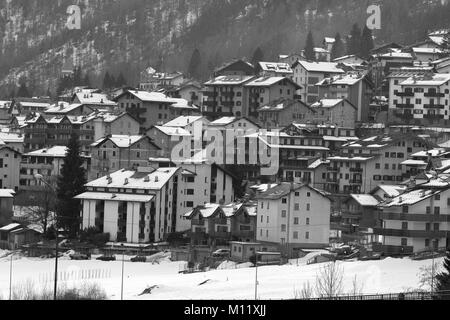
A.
pixel 318 163
pixel 229 80
pixel 143 179
pixel 410 198
pixel 327 67
pixel 224 121
pixel 56 152
pixel 40 105
pixel 321 50
pixel 263 187
pixel 10 227
pixel 411 162
pixel 266 81
pixel 7 193
pixel 329 40
pixel 392 190
pixel 357 159
pixel 277 67
pixel 10 137
pixel 398 55
pixel 427 50
pixel 115 197
pixel 182 104
pixel 424 154
pixel 437 79
pixel 365 200
pixel 183 121
pixel 146 96
pixel 173 131
pixel 63 108
pixel 94 98
pixel 327 103
pixel 121 141
pixel 349 79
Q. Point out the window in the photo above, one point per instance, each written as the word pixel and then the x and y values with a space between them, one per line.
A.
pixel 267 219
pixel 404 242
pixel 307 236
pixel 308 207
pixel 283 214
pixel 284 200
pixel 283 228
pixel 297 207
pixel 267 233
pixel 297 194
pixel 295 236
pixel 189 204
pixel 308 194
pixel 405 209
pixel 262 218
pixel 428 210
pixel 262 205
pixel 296 221
pixel 437 197
pixel 377 166
pixel 404 225
pixel 307 221
pixel 436 227
pixel 437 210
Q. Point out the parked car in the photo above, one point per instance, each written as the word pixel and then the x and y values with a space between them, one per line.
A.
pixel 79 256
pixel 222 253
pixel 139 259
pixel 107 258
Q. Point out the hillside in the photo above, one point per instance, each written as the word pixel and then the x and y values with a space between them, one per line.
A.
pixel 129 35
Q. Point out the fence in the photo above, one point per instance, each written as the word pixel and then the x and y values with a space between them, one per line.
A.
pixel 75 275
pixel 442 295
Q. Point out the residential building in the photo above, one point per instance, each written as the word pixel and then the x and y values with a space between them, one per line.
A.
pixel 308 74
pixel 281 112
pixel 322 54
pixel 133 206
pixel 115 152
pixel 362 165
pixel 190 91
pixel 351 60
pixel 426 55
pixel 157 80
pixel 442 65
pixel 338 112
pixel 290 58
pixel 6 206
pixel 417 219
pixel 25 106
pixel 46 162
pixel 274 69
pixel 264 90
pixel 424 98
pixel 235 68
pixel 95 100
pixel 216 224
pixel 355 87
pixel 14 235
pixel 167 138
pixel 10 160
pixel 65 108
pixel 294 216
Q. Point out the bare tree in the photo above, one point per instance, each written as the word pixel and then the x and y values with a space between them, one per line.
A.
pixel 427 277
pixel 357 287
pixel 329 281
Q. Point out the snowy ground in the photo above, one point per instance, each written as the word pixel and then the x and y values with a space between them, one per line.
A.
pixel 235 282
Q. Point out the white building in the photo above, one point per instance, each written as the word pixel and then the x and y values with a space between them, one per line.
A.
pixel 135 206
pixel 294 216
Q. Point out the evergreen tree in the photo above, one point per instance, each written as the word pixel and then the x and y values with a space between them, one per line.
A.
pixel 309 47
pixel 366 43
pixel 107 81
pixel 12 93
pixel 86 80
pixel 338 49
pixel 120 81
pixel 443 278
pixel 77 77
pixel 23 91
pixel 258 56
pixel 354 41
pixel 70 184
pixel 194 69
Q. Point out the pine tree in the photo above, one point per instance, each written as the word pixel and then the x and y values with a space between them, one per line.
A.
pixel 354 41
pixel 366 43
pixel 23 91
pixel 86 80
pixel 258 56
pixel 443 278
pixel 107 81
pixel 77 77
pixel 338 49
pixel 195 65
pixel 70 184
pixel 120 81
pixel 309 47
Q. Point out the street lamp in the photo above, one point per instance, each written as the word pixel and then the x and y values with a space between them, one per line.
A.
pixel 123 267
pixel 40 178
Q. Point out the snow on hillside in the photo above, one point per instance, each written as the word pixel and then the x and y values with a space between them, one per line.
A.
pixel 275 282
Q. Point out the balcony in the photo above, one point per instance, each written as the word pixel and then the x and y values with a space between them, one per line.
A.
pixel 415 217
pixel 333 169
pixel 227 94
pixel 210 94
pixel 356 181
pixel 434 95
pixel 411 233
pixel 210 104
pixel 433 116
pixel 405 106
pixel 333 180
pixel 198 222
pixel 405 94
pixel 228 104
pixel 356 169
pixel 433 106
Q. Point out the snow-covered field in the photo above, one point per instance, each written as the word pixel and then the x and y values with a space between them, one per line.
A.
pixel 275 282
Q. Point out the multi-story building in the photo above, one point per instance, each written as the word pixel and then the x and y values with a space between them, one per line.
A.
pixel 45 162
pixel 264 90
pixel 235 68
pixel 362 165
pixel 424 98
pixel 10 160
pixel 190 91
pixel 216 224
pixel 417 219
pixel 225 96
pixel 134 206
pixel 280 113
pixel 355 87
pixel 275 69
pixel 167 138
pixel 98 101
pixel 293 216
pixel 116 152
pixel 308 74
pixel 338 112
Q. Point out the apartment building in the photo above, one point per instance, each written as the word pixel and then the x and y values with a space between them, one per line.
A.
pixel 424 98
pixel 134 206
pixel 167 138
pixel 115 152
pixel 417 219
pixel 275 69
pixel 339 112
pixel 47 162
pixel 10 160
pixel 281 112
pixel 293 216
pixel 355 87
pixel 264 90
pixel 225 96
pixel 215 224
pixel 362 165
pixel 308 74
